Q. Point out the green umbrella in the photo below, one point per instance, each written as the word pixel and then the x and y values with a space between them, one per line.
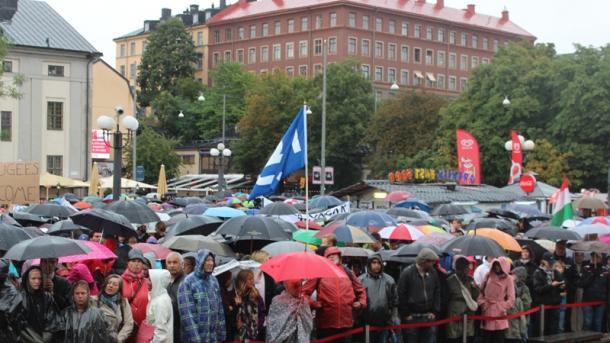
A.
pixel 306 236
pixel 92 198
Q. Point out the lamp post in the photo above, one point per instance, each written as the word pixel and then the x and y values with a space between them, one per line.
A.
pixel 526 145
pixel 221 152
pixel 107 124
pixel 58 186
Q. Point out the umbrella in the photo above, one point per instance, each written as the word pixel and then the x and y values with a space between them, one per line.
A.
pixel 33 231
pixel 503 213
pixel 494 223
pixel 407 212
pixel 82 205
pixel 370 220
pixel 160 251
pixel 413 203
pixel 94 182
pixel 548 245
pixel 224 212
pixel 285 247
pixel 506 241
pixel 590 246
pixel 50 210
pixel 71 197
pixel 301 265
pixel 449 210
pixel 346 233
pixel 11 235
pixel 249 228
pixel 435 238
pixel 536 248
pixel 173 220
pixel 279 209
pixel 552 233
pixel 196 209
pixel 397 196
pixel 107 222
pixel 194 225
pixel 162 182
pixel 235 266
pixel 595 220
pixel 63 227
pixel 473 245
pixel 183 202
pixel 45 247
pixel 7 219
pixel 605 239
pixel 591 229
pixel 413 249
pixel 355 252
pixel 92 198
pixel 110 197
pixel 590 203
pixel 27 219
pixel 302 224
pixel 97 252
pixel 134 211
pixel 428 229
pixel 277 198
pixel 324 202
pixel 401 232
pixel 525 211
pixel 306 236
pixel 293 201
pixel 196 242
pixel 286 226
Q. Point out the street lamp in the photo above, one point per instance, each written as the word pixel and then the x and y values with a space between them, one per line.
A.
pixel 394 87
pixel 506 102
pixel 107 124
pixel 180 115
pixel 201 97
pixel 58 186
pixel 526 145
pixel 221 152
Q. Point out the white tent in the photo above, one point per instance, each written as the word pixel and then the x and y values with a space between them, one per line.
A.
pixel 106 182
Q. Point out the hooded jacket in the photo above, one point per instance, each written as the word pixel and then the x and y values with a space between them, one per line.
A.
pixel 159 312
pixel 135 290
pixel 497 296
pixel 201 312
pixel 381 295
pixel 79 272
pixel 40 311
pixel 11 310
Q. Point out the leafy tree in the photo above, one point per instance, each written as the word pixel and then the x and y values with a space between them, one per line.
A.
pixel 551 164
pixel 169 57
pixel 153 150
pixel 9 90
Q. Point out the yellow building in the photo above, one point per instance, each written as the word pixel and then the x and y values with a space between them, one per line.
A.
pixel 109 90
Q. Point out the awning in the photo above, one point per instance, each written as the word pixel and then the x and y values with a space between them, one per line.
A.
pixel 50 180
pixel 106 182
pixel 430 77
pixel 418 74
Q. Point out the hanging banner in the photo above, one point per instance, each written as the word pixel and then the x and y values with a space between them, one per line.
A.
pixel 99 148
pixel 516 158
pixel 468 157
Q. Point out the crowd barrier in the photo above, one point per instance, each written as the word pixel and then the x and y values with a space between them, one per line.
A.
pixel 368 329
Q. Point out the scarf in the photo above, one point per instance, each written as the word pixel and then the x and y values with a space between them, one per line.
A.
pixel 133 277
pixel 111 300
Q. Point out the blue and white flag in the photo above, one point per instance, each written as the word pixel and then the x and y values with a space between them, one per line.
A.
pixel 288 157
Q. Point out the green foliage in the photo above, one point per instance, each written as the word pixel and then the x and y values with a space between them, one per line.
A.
pixel 153 150
pixel 551 164
pixel 168 58
pixel 9 90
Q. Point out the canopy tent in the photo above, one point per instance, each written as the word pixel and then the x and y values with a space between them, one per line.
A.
pixel 49 180
pixel 106 182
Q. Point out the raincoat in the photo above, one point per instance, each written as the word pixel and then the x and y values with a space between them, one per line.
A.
pixel 497 296
pixel 41 313
pixel 88 326
pixel 135 290
pixel 201 312
pixel 159 312
pixel 120 320
pixel 381 295
pixel 457 304
pixel 523 301
pixel 289 319
pixel 79 272
pixel 11 310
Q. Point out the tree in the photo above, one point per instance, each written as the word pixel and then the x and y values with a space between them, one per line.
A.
pixel 9 90
pixel 153 150
pixel 551 164
pixel 169 57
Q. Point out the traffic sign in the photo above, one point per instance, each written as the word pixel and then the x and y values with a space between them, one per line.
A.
pixel 140 173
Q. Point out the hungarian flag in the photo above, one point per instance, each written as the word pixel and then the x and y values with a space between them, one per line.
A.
pixel 562 210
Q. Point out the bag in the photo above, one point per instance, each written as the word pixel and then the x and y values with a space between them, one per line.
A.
pixel 146 333
pixel 470 303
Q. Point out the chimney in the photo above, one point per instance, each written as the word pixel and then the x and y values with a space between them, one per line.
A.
pixel 505 15
pixel 223 4
pixel 166 13
pixel 195 14
pixel 439 4
pixel 194 8
pixel 470 10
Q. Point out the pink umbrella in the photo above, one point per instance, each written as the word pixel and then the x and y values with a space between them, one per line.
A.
pixel 98 252
pixel 401 232
pixel 605 239
pixel 160 251
pixel 397 196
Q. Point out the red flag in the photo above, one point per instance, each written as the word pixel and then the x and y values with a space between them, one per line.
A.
pixel 516 158
pixel 468 158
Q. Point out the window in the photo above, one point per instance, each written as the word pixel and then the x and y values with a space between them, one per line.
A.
pixel 252 31
pixel 333 19
pixel 404 53
pixel 440 58
pixel 290 71
pixel 7 66
pixel 452 37
pixel 303 48
pixel 240 56
pixel 55 164
pixel 317 47
pixel 417 78
pixel 430 80
pixel 495 45
pixel 132 71
pixel 199 38
pixel 474 62
pixel 265 30
pixel 252 55
pixel 5 126
pixel 277 52
pixel 440 81
pixel 304 23
pixel 241 32
pixel 378 73
pixel 404 30
pixel 188 159
pixel 122 50
pixel 199 61
pixel 144 46
pixel 391 75
pixel 474 42
pixel 392 51
pixel 404 77
pixel 464 39
pixel 332 45
pixel 132 48
pixel 228 35
pixel 228 56
pixel 318 22
pixel 366 47
pixel 417 55
pixel 378 24
pixel 485 60
pixel 317 68
pixel 290 50
pixel 303 70
pixel 463 62
pixel 122 70
pixel 452 60
pixel 264 54
pixel 290 25
pixel 392 27
pixel 278 27
pixel 351 46
pixel 429 32
pixel 365 22
pixel 351 19
pixel 366 72
pixel 417 31
pixel 463 83
pixel 55 70
pixel 429 57
pixel 440 35
pixel 55 114
pixel 452 83
pixel 485 43
pixel 379 49
pixel 216 59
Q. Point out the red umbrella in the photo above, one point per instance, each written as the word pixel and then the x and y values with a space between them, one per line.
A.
pixel 301 265
pixel 312 225
pixel 398 196
pixel 160 251
pixel 82 205
pixel 401 232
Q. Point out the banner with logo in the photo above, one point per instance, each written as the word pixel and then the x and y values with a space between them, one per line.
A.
pixel 468 157
pixel 516 158
pixel 323 215
pixel 99 148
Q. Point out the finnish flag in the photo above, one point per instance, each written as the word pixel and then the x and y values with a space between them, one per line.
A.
pixel 288 157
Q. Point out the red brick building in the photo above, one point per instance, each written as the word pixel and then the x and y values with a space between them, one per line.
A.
pixel 410 42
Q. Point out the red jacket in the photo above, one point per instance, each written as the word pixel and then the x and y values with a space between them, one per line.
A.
pixel 336 297
pixel 135 290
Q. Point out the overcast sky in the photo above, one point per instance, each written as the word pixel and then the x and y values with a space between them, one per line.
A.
pixel 563 22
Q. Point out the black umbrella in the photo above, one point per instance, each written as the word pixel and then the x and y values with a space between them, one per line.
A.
pixel 536 249
pixel 493 223
pixel 277 198
pixel 50 210
pixel 411 250
pixel 176 219
pixel 7 219
pixel 45 247
pixel 29 219
pixel 553 233
pixel 194 225
pixel 324 202
pixel 33 231
pixel 71 197
pixel 11 235
pixel 407 212
pixel 65 227
pixel 502 213
pixel 134 211
pixel 473 245
pixel 246 230
pixel 104 221
pixel 183 202
pixel 279 209
pixel 449 210
pixel 288 227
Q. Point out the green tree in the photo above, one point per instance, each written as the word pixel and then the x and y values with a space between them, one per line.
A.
pixel 153 150
pixel 10 90
pixel 551 164
pixel 169 57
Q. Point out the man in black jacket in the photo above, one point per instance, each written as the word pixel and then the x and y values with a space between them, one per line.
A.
pixel 547 289
pixel 56 285
pixel 174 264
pixel 419 295
pixel 574 273
pixel 528 261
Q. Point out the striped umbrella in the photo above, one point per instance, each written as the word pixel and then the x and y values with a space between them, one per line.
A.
pixel 401 232
pixel 346 233
pixel 428 229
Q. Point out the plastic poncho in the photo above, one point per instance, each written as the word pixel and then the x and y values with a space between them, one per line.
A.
pixel 289 319
pixel 159 312
pixel 88 326
pixel 11 311
pixel 40 310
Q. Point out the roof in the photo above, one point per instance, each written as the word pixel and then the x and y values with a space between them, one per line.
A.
pixel 542 190
pixel 36 24
pixel 132 33
pixel 242 9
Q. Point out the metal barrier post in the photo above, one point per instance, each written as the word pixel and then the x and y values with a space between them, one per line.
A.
pixel 367 333
pixel 541 320
pixel 465 329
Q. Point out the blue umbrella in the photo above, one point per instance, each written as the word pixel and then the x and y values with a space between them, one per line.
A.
pixel 224 212
pixel 324 202
pixel 252 211
pixel 370 219
pixel 414 203
pixel 196 208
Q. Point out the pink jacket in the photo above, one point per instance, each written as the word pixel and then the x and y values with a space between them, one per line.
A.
pixel 497 296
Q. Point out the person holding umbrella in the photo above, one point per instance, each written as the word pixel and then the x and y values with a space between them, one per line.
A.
pixel 41 314
pixel 135 285
pixel 59 287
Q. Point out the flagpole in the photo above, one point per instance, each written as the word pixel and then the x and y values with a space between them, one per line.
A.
pixel 306 167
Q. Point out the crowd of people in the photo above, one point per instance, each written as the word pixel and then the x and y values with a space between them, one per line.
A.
pixel 137 299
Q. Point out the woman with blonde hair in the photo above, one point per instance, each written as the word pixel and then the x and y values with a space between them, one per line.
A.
pixel 250 307
pixel 115 307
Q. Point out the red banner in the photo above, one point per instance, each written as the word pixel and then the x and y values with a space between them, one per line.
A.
pixel 468 157
pixel 516 159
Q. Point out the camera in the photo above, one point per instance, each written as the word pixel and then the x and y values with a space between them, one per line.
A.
pixel 119 110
